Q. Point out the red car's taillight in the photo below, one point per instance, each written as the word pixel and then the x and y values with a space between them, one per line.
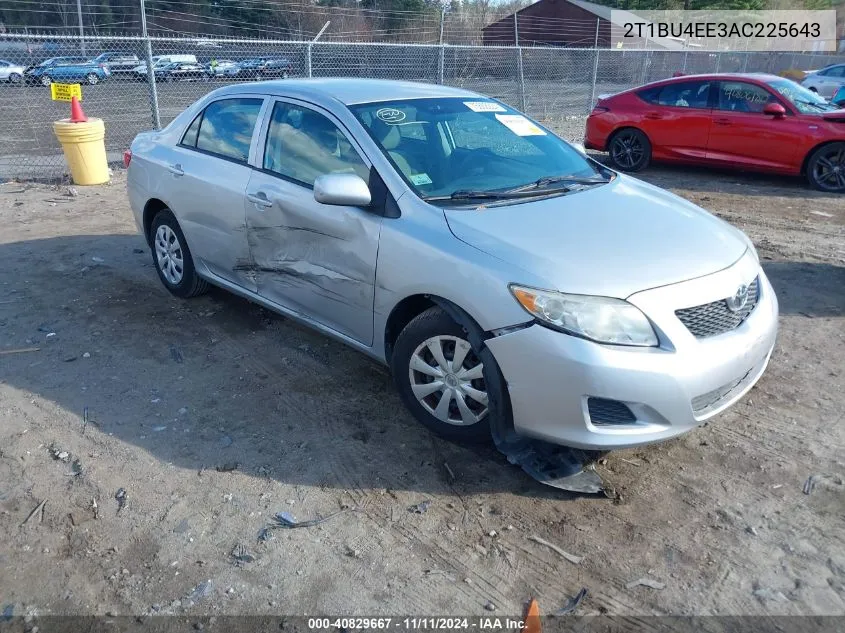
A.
pixel 127 158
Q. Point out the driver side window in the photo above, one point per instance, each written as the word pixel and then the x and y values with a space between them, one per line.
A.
pixel 303 144
pixel 739 96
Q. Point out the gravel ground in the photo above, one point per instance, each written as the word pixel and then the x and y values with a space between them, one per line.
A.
pixel 213 414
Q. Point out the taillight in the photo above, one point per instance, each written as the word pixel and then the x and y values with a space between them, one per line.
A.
pixel 127 158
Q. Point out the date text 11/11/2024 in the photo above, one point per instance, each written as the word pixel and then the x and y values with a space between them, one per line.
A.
pixel 416 623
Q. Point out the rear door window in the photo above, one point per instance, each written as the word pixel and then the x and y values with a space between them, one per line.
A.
pixel 685 94
pixel 226 128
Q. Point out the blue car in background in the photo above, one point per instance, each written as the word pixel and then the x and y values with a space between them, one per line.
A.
pixel 66 70
pixel 838 99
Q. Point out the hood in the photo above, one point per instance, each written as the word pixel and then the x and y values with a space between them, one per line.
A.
pixel 836 115
pixel 612 240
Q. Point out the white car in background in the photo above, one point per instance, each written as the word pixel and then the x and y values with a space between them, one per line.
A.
pixel 11 72
pixel 826 81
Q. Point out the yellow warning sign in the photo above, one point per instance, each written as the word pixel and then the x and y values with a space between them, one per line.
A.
pixel 65 92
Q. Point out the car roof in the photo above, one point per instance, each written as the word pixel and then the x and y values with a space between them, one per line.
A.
pixel 351 91
pixel 719 77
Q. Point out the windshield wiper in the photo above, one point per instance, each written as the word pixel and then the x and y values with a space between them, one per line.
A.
pixel 821 106
pixel 550 180
pixel 478 194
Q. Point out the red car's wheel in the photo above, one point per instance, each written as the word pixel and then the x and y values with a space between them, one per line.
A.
pixel 629 149
pixel 826 168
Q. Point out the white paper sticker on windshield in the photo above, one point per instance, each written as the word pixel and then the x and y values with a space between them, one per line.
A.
pixel 519 125
pixel 484 106
pixel 421 179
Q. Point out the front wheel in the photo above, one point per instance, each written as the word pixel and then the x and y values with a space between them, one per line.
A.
pixel 826 168
pixel 172 257
pixel 46 80
pixel 442 379
pixel 630 150
pixel 92 79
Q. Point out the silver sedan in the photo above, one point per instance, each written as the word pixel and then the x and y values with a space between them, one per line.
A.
pixel 512 284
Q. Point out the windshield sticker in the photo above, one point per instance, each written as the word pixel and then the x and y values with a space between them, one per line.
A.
pixel 390 115
pixel 519 125
pixel 421 179
pixel 484 106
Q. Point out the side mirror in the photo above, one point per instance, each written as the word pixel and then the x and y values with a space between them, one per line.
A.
pixel 774 109
pixel 342 190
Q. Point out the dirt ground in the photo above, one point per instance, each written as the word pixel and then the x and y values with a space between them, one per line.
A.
pixel 132 388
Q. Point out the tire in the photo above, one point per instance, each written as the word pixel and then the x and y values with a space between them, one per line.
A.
pixel 15 78
pixel 629 150
pixel 435 329
pixel 92 79
pixel 165 231
pixel 46 80
pixel 826 168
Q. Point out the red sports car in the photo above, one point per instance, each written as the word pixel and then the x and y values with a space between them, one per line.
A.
pixel 748 121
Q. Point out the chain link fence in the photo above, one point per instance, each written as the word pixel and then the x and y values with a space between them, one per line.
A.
pixel 557 86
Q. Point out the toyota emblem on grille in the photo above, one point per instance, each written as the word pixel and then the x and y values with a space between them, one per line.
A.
pixel 740 298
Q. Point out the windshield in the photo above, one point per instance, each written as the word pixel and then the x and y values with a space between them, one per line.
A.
pixel 446 146
pixel 805 101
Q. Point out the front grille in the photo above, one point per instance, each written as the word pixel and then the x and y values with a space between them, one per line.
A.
pixel 609 412
pixel 716 317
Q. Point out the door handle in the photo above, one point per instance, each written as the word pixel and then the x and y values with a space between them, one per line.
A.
pixel 176 169
pixel 259 199
pixel 722 121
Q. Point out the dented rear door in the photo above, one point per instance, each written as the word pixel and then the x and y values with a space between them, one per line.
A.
pixel 315 259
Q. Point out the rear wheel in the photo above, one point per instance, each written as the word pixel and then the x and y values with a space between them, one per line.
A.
pixel 92 79
pixel 15 78
pixel 442 379
pixel 172 257
pixel 826 168
pixel 630 150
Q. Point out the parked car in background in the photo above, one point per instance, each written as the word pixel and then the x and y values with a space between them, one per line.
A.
pixel 826 81
pixel 66 69
pixel 249 67
pixel 753 122
pixel 160 61
pixel 181 72
pixel 581 306
pixel 223 68
pixel 11 72
pixel 274 69
pixel 117 63
pixel 839 98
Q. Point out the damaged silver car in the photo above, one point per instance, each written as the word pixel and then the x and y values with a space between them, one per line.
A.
pixel 515 287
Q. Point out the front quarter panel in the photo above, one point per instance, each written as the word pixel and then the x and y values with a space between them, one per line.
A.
pixel 418 255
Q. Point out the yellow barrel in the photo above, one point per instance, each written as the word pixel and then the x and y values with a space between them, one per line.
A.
pixel 85 150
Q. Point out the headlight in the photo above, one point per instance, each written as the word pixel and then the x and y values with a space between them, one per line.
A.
pixel 599 319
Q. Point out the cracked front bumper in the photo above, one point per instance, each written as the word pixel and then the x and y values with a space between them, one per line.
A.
pixel 670 389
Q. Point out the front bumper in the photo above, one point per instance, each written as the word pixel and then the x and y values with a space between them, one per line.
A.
pixel 551 375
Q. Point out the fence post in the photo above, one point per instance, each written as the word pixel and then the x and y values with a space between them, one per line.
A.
pixel 441 61
pixel 684 69
pixel 595 68
pixel 151 76
pixel 308 59
pixel 519 61
pixel 81 28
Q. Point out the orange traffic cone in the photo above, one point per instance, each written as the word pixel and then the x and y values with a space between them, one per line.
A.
pixel 76 113
pixel 531 618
